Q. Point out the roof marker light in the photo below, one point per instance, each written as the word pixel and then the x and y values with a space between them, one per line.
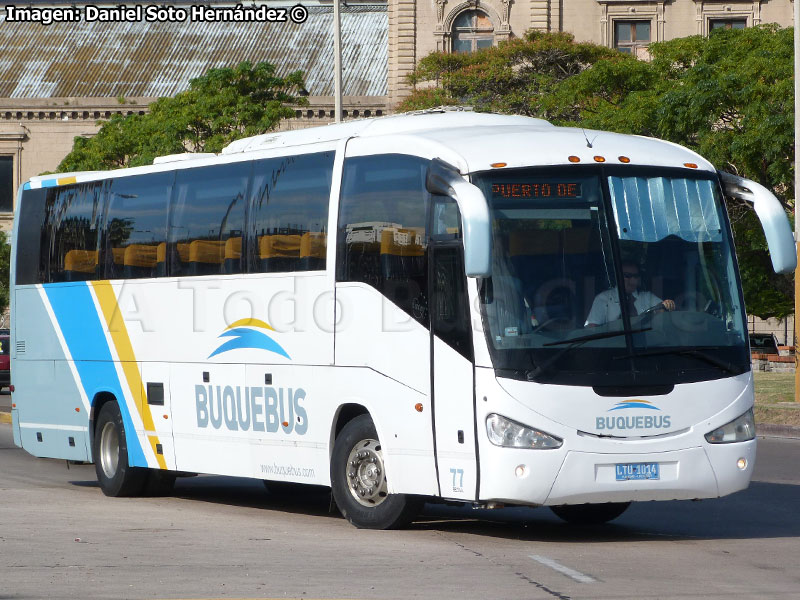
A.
pixel 624 159
pixel 690 165
pixel 599 159
pixel 574 159
pixel 498 165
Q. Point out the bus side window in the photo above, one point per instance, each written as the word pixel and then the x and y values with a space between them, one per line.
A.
pixel 383 239
pixel 206 213
pixel 73 217
pixel 289 213
pixel 136 225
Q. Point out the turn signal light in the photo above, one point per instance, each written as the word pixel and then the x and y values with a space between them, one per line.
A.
pixel 690 165
pixel 498 165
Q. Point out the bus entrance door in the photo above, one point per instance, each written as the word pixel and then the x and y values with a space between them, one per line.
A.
pixel 453 373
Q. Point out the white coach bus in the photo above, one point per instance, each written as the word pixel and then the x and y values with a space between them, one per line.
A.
pixel 410 307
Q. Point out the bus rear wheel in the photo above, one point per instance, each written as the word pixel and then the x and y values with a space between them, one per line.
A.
pixel 359 482
pixel 110 452
pixel 590 514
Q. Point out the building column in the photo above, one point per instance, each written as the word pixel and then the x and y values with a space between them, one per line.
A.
pixel 402 48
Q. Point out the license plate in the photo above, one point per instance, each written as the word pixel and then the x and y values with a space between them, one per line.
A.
pixel 637 471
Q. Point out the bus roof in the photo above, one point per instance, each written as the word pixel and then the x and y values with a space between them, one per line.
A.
pixel 514 140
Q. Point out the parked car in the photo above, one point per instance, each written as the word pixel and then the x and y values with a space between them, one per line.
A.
pixel 5 358
pixel 763 343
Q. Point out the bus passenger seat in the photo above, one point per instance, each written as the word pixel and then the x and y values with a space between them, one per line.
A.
pixel 233 255
pixel 206 257
pixel 313 246
pixel 80 265
pixel 139 261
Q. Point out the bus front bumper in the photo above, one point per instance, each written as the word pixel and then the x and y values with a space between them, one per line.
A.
pixel 578 476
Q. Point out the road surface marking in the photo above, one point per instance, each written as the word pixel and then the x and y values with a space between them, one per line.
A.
pixel 557 566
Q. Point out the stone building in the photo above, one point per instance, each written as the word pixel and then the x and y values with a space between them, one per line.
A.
pixel 58 80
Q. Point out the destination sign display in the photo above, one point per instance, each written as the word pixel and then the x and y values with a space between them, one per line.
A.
pixel 550 189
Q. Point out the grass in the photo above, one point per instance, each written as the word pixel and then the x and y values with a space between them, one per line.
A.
pixel 775 399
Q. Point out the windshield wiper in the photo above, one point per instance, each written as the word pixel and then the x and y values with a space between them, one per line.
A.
pixel 686 351
pixel 534 373
pixel 597 336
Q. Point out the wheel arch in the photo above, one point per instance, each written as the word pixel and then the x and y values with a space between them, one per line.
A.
pixel 344 414
pixel 98 402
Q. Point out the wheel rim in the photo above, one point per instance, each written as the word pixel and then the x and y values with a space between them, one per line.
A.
pixel 109 450
pixel 366 476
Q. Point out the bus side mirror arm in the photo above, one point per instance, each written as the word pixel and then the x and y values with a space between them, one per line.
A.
pixel 444 179
pixel 773 219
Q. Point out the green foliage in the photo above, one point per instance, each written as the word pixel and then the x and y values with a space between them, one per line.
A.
pixel 221 106
pixel 729 96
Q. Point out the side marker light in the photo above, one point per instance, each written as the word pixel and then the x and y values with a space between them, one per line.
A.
pixel 690 165
pixel 498 165
pixel 574 159
pixel 624 159
pixel 418 407
pixel 600 159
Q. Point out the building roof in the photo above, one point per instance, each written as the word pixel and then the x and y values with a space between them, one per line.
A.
pixel 153 59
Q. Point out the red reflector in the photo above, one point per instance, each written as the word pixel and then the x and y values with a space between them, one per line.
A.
pixel 11 388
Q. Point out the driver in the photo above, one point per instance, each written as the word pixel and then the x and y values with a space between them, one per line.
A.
pixel 605 307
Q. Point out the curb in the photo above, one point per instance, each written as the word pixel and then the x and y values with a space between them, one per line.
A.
pixel 782 431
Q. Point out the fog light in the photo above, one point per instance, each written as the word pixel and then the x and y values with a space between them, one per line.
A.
pixel 521 471
pixel 742 463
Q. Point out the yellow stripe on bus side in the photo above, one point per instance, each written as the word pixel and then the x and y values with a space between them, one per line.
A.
pixel 66 180
pixel 122 343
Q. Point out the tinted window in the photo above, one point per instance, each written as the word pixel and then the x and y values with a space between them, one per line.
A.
pixel 136 226
pixel 73 217
pixel 382 237
pixel 31 238
pixel 290 212
pixel 207 220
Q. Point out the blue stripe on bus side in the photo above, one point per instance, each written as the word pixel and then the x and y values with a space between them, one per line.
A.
pixel 83 333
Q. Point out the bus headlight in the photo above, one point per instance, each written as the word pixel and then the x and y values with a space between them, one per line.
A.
pixel 740 429
pixel 510 434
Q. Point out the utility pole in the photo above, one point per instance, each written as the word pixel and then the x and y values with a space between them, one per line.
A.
pixel 796 206
pixel 337 61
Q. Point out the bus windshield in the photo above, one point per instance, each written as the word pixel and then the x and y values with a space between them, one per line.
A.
pixel 611 277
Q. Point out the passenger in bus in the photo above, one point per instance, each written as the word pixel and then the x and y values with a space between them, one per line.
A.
pixel 606 306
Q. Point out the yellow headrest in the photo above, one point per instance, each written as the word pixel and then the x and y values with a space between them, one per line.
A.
pixel 279 245
pixel 206 251
pixel 140 255
pixel 83 261
pixel 119 255
pixel 313 244
pixel 233 248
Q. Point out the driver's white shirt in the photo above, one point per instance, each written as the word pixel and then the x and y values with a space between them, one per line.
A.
pixel 605 307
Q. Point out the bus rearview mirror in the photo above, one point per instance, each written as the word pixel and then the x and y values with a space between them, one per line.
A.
pixel 773 219
pixel 443 179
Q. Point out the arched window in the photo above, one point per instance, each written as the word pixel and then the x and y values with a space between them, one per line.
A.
pixel 472 30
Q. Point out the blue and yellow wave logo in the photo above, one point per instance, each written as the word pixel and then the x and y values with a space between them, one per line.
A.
pixel 634 403
pixel 247 333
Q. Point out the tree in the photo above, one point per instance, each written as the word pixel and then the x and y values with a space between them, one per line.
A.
pixel 728 96
pixel 220 106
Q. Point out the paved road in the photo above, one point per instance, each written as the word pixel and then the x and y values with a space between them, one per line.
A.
pixel 228 538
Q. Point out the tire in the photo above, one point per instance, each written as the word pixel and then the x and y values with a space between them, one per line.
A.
pixel 590 514
pixel 110 452
pixel 359 481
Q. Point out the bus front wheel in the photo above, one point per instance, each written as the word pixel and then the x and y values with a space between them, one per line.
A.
pixel 590 514
pixel 359 482
pixel 110 451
